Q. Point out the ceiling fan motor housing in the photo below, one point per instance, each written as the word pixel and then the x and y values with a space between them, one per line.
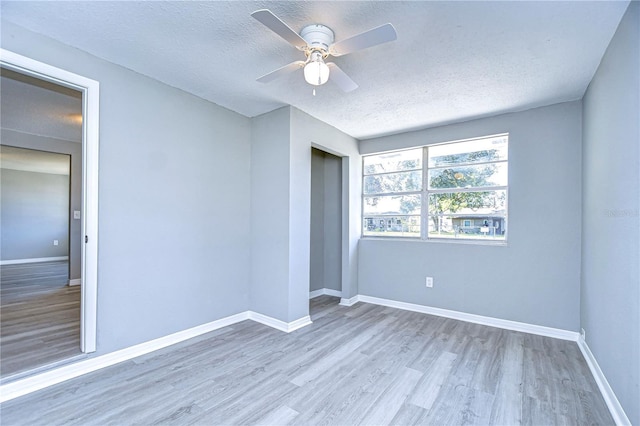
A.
pixel 318 37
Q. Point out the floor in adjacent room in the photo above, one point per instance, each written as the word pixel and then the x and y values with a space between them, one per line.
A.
pixel 364 364
pixel 39 317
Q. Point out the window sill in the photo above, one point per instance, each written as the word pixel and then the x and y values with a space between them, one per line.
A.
pixel 438 241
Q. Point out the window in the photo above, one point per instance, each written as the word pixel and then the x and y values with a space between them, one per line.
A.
pixel 392 193
pixel 455 190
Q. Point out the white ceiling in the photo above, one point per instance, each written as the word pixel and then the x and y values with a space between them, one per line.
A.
pixel 452 61
pixel 30 160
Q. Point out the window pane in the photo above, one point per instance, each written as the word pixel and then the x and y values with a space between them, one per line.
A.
pixel 477 227
pixel 469 203
pixel 392 226
pixel 393 161
pixel 494 174
pixel 393 182
pixel 475 151
pixel 392 205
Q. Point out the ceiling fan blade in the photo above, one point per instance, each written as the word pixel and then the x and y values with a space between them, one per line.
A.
pixel 275 24
pixel 373 37
pixel 340 78
pixel 293 66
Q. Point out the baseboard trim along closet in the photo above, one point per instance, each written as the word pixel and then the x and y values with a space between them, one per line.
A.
pixel 477 319
pixel 33 260
pixel 75 281
pixel 287 327
pixel 34 383
pixel 349 302
pixel 324 292
pixel 617 412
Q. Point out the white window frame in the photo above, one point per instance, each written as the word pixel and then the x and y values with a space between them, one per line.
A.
pixel 387 217
pixel 426 192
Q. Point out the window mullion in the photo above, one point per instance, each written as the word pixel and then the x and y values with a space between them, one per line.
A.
pixel 385 194
pixel 483 163
pixel 391 173
pixel 424 209
pixel 469 189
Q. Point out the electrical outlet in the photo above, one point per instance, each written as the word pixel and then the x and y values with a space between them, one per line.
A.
pixel 429 282
pixel 583 334
pixel 55 242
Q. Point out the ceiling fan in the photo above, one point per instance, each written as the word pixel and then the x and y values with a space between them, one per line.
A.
pixel 317 43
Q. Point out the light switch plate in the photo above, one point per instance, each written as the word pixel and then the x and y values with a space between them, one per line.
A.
pixel 76 214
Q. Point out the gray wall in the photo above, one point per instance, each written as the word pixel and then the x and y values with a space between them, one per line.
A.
pixel 326 221
pixel 73 149
pixel 174 200
pixel 535 278
pixel 34 211
pixel 299 217
pixel 316 262
pixel 270 203
pixel 610 302
pixel 332 222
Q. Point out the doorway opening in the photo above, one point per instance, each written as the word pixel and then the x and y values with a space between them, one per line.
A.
pixel 39 309
pixel 48 114
pixel 325 265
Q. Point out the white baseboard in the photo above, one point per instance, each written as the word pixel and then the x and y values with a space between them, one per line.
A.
pixel 33 383
pixel 350 302
pixel 324 292
pixel 477 319
pixel 331 292
pixel 316 293
pixel 299 323
pixel 75 281
pixel 33 260
pixel 617 412
pixel 287 327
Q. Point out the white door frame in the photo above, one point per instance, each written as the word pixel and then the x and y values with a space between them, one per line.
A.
pixel 90 135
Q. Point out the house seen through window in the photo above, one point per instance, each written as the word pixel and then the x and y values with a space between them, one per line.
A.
pixel 455 190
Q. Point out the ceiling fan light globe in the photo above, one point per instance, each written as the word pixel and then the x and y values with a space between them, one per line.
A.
pixel 316 73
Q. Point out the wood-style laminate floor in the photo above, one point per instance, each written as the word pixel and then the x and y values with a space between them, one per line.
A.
pixel 39 316
pixel 363 364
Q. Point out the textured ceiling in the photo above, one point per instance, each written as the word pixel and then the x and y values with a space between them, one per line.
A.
pixel 37 107
pixel 452 61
